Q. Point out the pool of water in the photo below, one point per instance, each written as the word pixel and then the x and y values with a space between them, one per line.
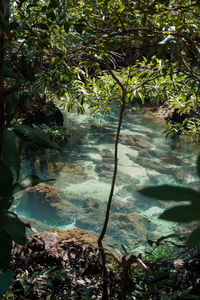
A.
pixel 83 175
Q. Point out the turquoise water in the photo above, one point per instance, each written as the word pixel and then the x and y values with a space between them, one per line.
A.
pixel 83 175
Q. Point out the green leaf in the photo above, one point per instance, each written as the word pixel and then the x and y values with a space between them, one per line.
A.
pixel 5 281
pixel 171 193
pixel 79 27
pixel 13 25
pixel 14 227
pixel 194 238
pixel 5 249
pixel 121 9
pixel 43 26
pixel 11 106
pixel 198 165
pixel 198 3
pixel 53 4
pixel 88 294
pixel 6 180
pixel 7 73
pixel 29 180
pixel 9 202
pixel 67 27
pixel 50 14
pixel 11 152
pixel 36 136
pixel 183 214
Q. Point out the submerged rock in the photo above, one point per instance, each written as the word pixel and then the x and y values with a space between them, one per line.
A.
pixel 104 170
pixel 134 141
pixel 172 160
pixel 72 173
pixel 42 202
pixel 36 226
pixel 122 206
pixel 151 164
pixel 107 156
pixel 128 228
pixel 91 208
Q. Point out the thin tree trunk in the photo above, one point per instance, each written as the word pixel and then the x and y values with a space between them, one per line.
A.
pixel 2 96
pixel 106 220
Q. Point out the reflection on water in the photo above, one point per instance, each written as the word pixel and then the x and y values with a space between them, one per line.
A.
pixel 83 175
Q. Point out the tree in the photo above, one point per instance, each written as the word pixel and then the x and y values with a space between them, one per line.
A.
pixel 11 181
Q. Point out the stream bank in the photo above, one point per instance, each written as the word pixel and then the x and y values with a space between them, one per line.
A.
pixel 66 265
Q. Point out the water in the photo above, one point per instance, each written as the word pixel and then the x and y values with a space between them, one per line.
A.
pixel 83 175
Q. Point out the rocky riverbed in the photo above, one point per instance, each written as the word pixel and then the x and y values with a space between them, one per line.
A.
pixel 83 175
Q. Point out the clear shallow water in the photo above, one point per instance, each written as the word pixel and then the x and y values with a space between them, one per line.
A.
pixel 83 175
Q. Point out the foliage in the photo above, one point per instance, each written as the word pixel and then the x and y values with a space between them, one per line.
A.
pixel 57 134
pixel 153 275
pixel 76 39
pixel 161 252
pixel 96 52
pixel 11 181
pixel 43 281
pixel 5 281
pixel 187 211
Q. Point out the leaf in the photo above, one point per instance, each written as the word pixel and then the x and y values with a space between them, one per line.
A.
pixel 5 249
pixel 171 193
pixel 11 106
pixel 95 111
pixel 194 238
pixel 88 294
pixel 47 271
pixel 198 3
pixel 13 25
pixel 9 202
pixel 79 27
pixel 141 97
pixel 167 39
pixel 6 180
pixel 5 281
pixel 7 73
pixel 48 297
pixel 121 9
pixel 43 26
pixel 198 165
pixel 67 27
pixel 14 227
pixel 37 136
pixel 183 214
pixel 11 152
pixel 53 4
pixel 50 14
pixel 27 181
